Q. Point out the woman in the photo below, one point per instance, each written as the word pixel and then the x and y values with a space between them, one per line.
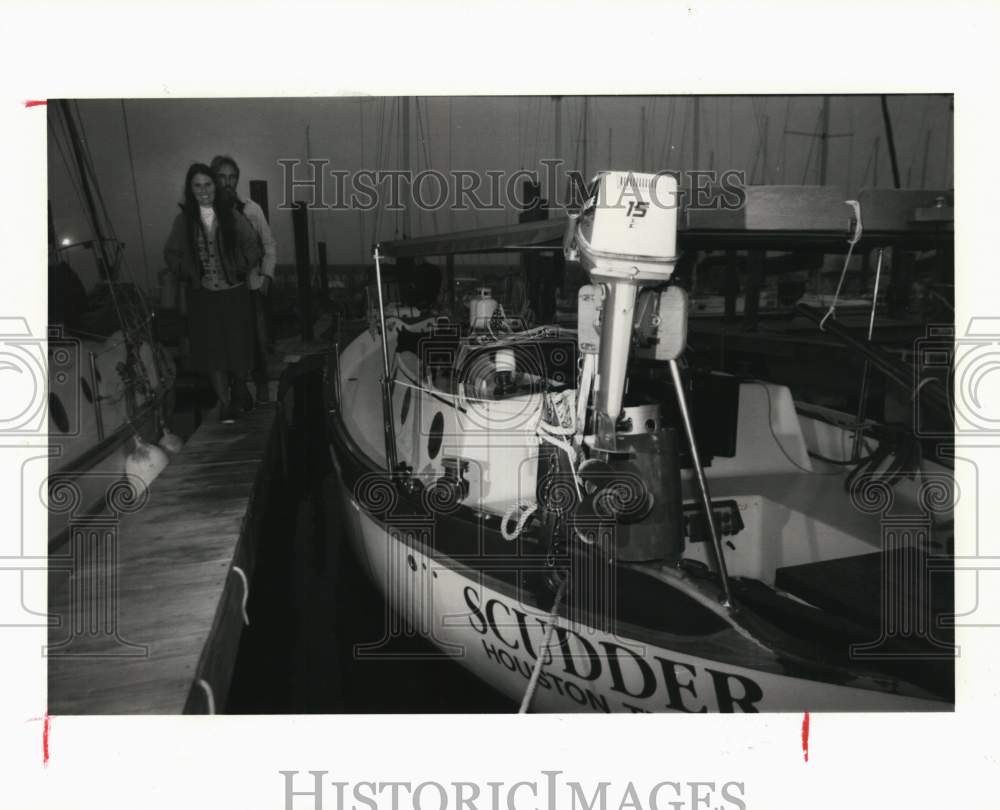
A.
pixel 211 248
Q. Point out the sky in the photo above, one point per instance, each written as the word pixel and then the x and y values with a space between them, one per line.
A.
pixel 141 149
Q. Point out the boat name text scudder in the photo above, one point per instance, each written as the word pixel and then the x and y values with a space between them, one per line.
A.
pixel 671 684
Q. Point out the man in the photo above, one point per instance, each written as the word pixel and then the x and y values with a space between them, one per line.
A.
pixel 227 176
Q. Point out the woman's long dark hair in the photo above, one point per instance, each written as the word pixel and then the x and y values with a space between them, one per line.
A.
pixel 224 213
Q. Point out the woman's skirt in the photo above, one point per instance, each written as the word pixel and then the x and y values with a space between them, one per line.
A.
pixel 220 326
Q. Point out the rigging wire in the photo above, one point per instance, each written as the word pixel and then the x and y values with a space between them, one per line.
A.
pixel 57 139
pixel 817 133
pixel 680 150
pixel 133 310
pixel 92 173
pixel 732 152
pixel 718 132
pixel 665 150
pixel 423 136
pixel 784 138
pixel 129 304
pixel 361 210
pixel 398 132
pixel 921 129
pixel 135 191
pixel 379 156
pixel 539 131
pixel 87 174
pixel 451 209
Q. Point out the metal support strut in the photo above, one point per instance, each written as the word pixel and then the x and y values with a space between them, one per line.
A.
pixel 387 426
pixel 706 499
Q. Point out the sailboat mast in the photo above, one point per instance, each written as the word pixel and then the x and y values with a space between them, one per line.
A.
pixel 824 139
pixel 74 137
pixel 407 212
pixel 890 142
pixel 557 147
pixel 923 164
pixel 765 172
pixel 642 140
pixel 696 134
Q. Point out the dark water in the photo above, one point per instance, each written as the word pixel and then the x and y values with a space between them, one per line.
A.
pixel 310 604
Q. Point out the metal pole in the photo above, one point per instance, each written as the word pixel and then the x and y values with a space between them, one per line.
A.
pixel 96 391
pixel 300 228
pixel 824 140
pixel 706 499
pixel 85 180
pixel 856 448
pixel 891 142
pixel 387 425
pixel 324 281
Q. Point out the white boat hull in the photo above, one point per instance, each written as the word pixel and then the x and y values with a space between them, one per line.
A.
pixel 498 638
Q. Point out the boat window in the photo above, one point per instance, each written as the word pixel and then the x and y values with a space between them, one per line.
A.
pixel 436 435
pixel 58 413
pixel 85 387
pixel 405 407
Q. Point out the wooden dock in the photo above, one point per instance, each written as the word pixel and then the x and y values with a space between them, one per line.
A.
pixel 147 600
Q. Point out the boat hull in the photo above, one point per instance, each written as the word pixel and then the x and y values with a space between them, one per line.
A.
pixel 483 624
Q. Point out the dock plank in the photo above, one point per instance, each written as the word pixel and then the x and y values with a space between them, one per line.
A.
pixel 163 580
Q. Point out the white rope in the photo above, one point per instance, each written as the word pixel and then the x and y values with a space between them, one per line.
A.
pixel 878 277
pixel 847 260
pixel 511 536
pixel 553 435
pixel 537 671
pixel 209 695
pixel 246 592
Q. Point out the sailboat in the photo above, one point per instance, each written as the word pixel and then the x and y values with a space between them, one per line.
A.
pixel 110 382
pixel 587 522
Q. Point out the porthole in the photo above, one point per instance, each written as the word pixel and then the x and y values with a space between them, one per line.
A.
pixel 404 409
pixel 58 413
pixel 436 435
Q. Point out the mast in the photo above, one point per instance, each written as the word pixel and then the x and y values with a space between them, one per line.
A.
pixel 407 210
pixel 923 165
pixel 890 142
pixel 74 137
pixel 822 132
pixel 784 139
pixel 642 141
pixel 696 134
pixel 850 151
pixel 766 176
pixel 824 139
pixel 556 147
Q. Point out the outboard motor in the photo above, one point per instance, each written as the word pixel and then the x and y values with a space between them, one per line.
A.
pixel 625 237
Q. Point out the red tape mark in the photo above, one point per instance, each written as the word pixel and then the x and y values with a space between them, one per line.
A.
pixel 45 740
pixel 35 103
pixel 805 736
